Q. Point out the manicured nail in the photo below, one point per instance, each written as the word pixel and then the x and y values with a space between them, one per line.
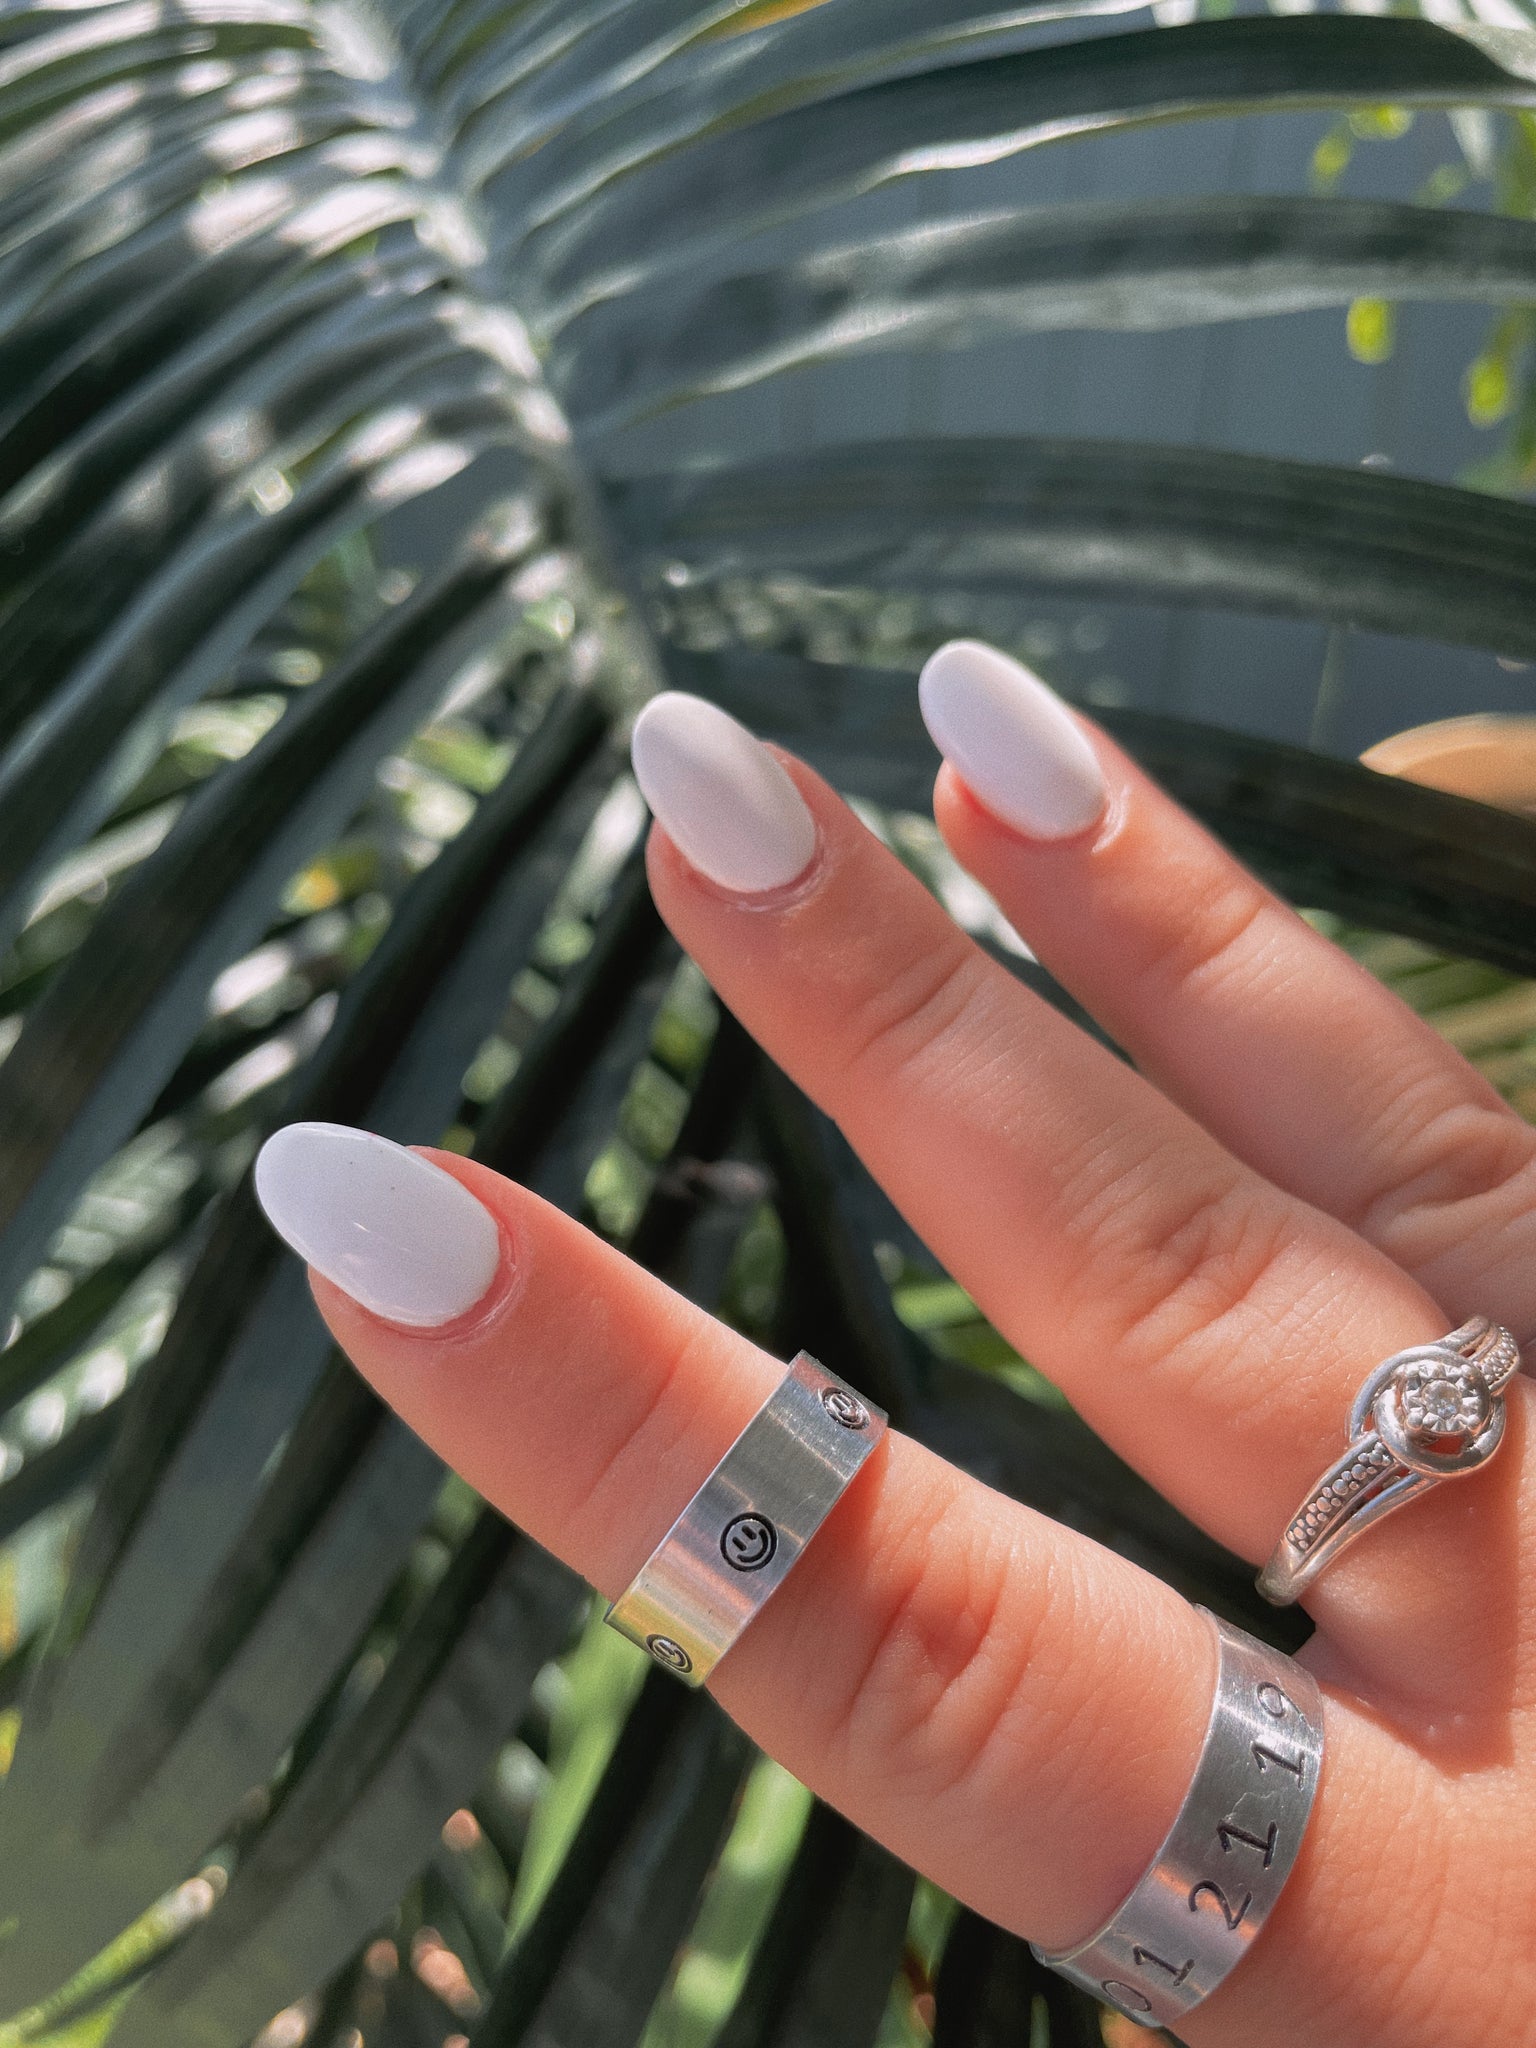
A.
pixel 720 794
pixel 1011 740
pixel 398 1234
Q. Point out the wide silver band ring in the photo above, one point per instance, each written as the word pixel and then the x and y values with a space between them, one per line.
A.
pixel 739 1536
pixel 1194 1913
pixel 1429 1413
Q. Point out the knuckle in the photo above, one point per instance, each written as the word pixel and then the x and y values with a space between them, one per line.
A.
pixel 1388 1971
pixel 629 1452
pixel 1223 935
pixel 900 1021
pixel 1455 1961
pixel 947 1653
pixel 1202 1251
pixel 1452 1156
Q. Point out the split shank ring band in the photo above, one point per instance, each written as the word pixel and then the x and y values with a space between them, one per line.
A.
pixel 1429 1413
pixel 737 1538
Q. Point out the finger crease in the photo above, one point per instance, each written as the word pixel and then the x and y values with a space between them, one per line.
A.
pixel 917 1715
pixel 655 1399
pixel 906 1020
pixel 1192 954
pixel 1463 1153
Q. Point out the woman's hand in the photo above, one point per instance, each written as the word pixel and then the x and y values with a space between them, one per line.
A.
pixel 1207 1254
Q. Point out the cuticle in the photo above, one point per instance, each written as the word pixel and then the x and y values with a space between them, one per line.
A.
pixel 1111 820
pixel 498 1300
pixel 788 895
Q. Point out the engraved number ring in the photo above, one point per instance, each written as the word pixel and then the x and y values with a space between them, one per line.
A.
pixel 1195 1911
pixel 1425 1414
pixel 738 1537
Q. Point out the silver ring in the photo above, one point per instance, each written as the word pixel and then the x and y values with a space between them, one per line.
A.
pixel 1194 1914
pixel 1425 1414
pixel 738 1537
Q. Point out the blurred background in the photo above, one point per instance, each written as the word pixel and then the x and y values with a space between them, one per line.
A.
pixel 1425 388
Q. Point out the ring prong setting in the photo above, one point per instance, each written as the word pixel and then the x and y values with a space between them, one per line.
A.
pixel 1443 1406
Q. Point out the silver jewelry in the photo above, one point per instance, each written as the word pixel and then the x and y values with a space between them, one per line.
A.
pixel 1431 1412
pixel 1210 1887
pixel 738 1537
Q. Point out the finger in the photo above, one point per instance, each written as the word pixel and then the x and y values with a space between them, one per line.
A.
pixel 1280 1044
pixel 1210 1326
pixel 1006 1705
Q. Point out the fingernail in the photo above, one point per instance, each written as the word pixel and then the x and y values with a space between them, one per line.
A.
pixel 1011 740
pixel 720 794
pixel 394 1231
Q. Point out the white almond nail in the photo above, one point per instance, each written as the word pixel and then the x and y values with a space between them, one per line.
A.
pixel 718 792
pixel 1011 740
pixel 394 1231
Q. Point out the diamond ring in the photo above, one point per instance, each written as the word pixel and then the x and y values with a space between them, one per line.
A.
pixel 1424 1414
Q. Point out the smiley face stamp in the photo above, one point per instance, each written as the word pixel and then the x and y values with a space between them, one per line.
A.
pixel 739 1536
pixel 669 1653
pixel 748 1542
pixel 844 1409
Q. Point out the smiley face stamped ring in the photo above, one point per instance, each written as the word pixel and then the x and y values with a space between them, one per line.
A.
pixel 738 1537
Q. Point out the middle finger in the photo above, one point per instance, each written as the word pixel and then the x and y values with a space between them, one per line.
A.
pixel 1209 1325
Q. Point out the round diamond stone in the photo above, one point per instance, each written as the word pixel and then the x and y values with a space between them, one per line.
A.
pixel 1439 1401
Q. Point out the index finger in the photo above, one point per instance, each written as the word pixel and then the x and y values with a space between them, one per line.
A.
pixel 1007 1706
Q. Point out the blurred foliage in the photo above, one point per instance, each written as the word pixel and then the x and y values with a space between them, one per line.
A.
pixel 1495 165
